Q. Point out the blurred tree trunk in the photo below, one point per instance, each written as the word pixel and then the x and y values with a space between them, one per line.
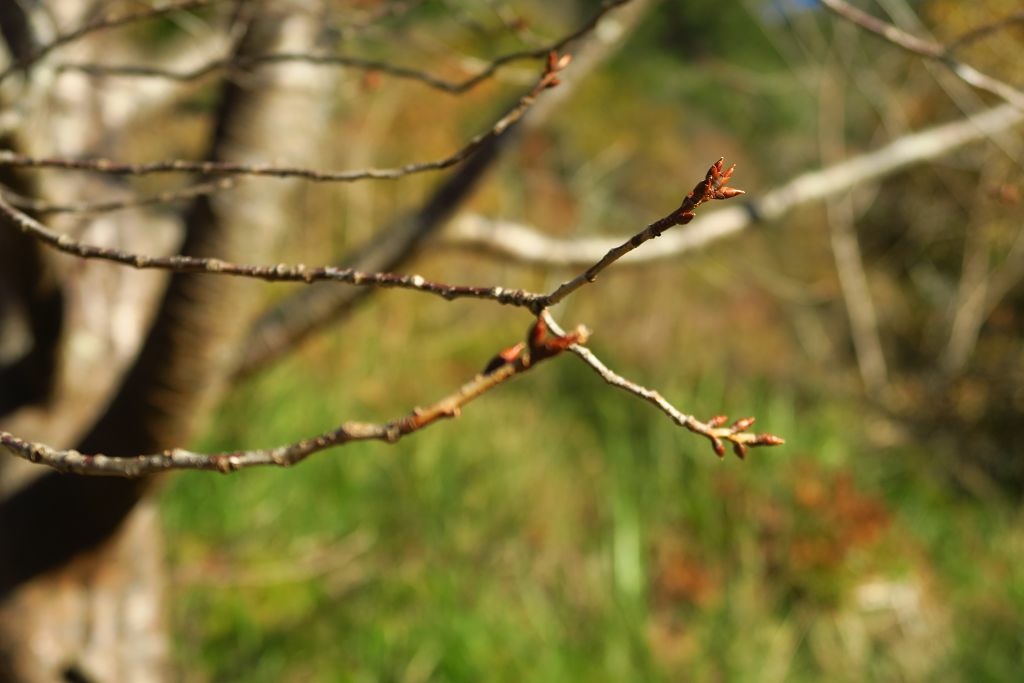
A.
pixel 145 357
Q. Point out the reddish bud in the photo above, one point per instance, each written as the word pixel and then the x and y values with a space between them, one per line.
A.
pixel 768 440
pixel 503 357
pixel 535 337
pixel 743 424
pixel 740 450
pixel 718 420
pixel 718 447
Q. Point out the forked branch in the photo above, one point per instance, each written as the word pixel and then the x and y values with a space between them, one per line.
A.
pixel 544 340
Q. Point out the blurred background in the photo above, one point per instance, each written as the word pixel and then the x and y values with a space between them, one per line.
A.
pixel 560 530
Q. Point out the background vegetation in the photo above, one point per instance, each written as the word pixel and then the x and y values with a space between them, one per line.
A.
pixel 560 531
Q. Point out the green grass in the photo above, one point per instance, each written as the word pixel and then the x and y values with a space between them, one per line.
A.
pixel 562 531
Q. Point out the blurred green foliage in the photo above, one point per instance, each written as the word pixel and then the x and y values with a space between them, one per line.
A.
pixel 560 530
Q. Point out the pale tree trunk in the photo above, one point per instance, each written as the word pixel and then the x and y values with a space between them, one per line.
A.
pixel 80 559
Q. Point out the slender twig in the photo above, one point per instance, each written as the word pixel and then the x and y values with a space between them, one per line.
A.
pixel 284 456
pixel 985 30
pixel 347 61
pixel 271 273
pixel 928 49
pixel 712 187
pixel 713 430
pixel 42 206
pixel 545 339
pixel 101 24
pixel 547 80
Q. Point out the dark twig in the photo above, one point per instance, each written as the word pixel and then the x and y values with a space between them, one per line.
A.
pixel 548 79
pixel 712 187
pixel 101 24
pixel 42 206
pixel 347 61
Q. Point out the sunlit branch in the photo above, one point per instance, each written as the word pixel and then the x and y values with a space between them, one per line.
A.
pixel 714 430
pixel 528 245
pixel 449 406
pixel 928 49
pixel 271 273
pixel 712 187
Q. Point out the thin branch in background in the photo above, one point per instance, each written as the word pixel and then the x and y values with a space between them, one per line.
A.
pixel 928 49
pixel 288 322
pixel 395 70
pixel 712 187
pixel 398 71
pixel 548 79
pixel 846 253
pixel 103 23
pixel 714 430
pixel 985 30
pixel 42 206
pixel 528 245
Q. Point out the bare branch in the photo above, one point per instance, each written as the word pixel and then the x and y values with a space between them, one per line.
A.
pixel 283 456
pixel 985 30
pixel 549 79
pixel 713 430
pixel 712 187
pixel 166 197
pixel 928 49
pixel 101 24
pixel 347 61
pixel 299 315
pixel 271 273
pixel 545 339
pixel 528 245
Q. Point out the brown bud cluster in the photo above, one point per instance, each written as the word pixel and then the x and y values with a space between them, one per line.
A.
pixel 736 434
pixel 542 344
pixel 555 64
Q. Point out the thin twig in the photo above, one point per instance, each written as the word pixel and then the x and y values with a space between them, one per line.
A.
pixel 347 61
pixel 712 187
pixel 713 430
pixel 547 80
pixel 101 24
pixel 985 30
pixel 928 49
pixel 271 273
pixel 42 206
pixel 284 456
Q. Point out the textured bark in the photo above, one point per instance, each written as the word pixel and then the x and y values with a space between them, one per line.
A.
pixel 79 556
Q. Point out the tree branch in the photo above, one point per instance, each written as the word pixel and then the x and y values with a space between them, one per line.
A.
pixel 101 24
pixel 455 87
pixel 928 49
pixel 547 80
pixel 528 245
